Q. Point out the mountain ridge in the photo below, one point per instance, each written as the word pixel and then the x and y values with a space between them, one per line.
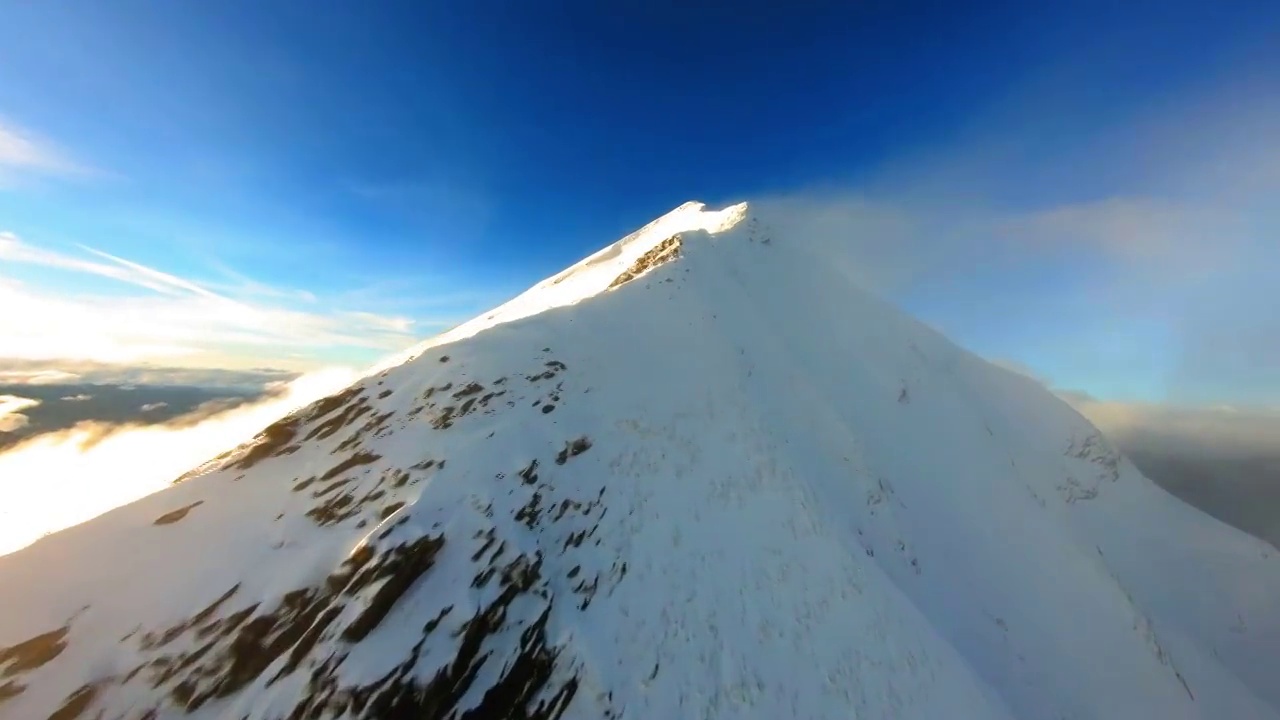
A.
pixel 733 486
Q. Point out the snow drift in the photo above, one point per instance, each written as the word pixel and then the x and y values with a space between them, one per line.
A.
pixel 699 474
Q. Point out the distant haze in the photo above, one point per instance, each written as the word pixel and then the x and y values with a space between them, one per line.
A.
pixel 1223 461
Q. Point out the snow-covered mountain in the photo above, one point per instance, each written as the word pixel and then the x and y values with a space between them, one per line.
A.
pixel 697 475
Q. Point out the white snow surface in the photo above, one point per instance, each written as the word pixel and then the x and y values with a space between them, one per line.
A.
pixel 792 501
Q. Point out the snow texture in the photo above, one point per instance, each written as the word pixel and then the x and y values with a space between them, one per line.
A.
pixel 699 474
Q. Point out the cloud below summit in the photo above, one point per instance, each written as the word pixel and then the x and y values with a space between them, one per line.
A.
pixel 56 480
pixel 11 417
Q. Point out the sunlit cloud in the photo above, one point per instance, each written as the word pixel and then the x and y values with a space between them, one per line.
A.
pixel 57 480
pixel 15 371
pixel 36 376
pixel 11 418
pixel 174 319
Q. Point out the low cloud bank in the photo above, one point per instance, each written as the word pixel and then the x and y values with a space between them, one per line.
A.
pixel 60 479
pixel 11 418
pixel 1224 461
pixel 17 371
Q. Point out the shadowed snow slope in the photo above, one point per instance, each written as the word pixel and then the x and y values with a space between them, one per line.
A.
pixel 698 475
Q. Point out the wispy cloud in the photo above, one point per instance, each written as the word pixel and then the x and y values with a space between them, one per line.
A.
pixel 22 152
pixel 13 249
pixel 240 285
pixel 172 317
pixel 151 278
pixel 1185 236
pixel 1140 255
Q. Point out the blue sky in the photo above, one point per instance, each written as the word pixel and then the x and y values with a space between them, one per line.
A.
pixel 340 178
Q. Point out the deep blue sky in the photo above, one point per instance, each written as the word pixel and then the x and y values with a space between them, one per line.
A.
pixel 426 159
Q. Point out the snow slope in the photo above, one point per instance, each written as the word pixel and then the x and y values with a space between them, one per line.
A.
pixel 729 485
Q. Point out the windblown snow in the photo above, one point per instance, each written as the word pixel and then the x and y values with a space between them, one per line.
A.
pixel 698 474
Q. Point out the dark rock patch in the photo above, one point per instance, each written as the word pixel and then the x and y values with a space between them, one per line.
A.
pixel 573 448
pixel 10 690
pixel 524 678
pixel 529 475
pixel 399 569
pixel 444 420
pixel 360 458
pixel 269 443
pixel 76 703
pixel 174 516
pixel 240 647
pixel 531 511
pixel 152 641
pixel 324 406
pixel 33 653
pixel 433 390
pixel 351 411
pixel 331 487
pixel 663 252
pixel 334 510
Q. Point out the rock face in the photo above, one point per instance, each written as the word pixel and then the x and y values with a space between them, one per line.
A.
pixel 696 475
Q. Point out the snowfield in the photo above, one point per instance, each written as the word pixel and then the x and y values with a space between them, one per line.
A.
pixel 697 475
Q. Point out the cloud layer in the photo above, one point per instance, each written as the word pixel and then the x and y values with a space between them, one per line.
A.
pixel 1225 461
pixel 11 417
pixel 14 371
pixel 61 479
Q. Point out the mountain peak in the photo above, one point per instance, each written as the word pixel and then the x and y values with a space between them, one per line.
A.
pixel 732 486
pixel 590 276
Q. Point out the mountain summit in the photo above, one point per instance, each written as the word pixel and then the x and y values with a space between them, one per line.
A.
pixel 697 475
